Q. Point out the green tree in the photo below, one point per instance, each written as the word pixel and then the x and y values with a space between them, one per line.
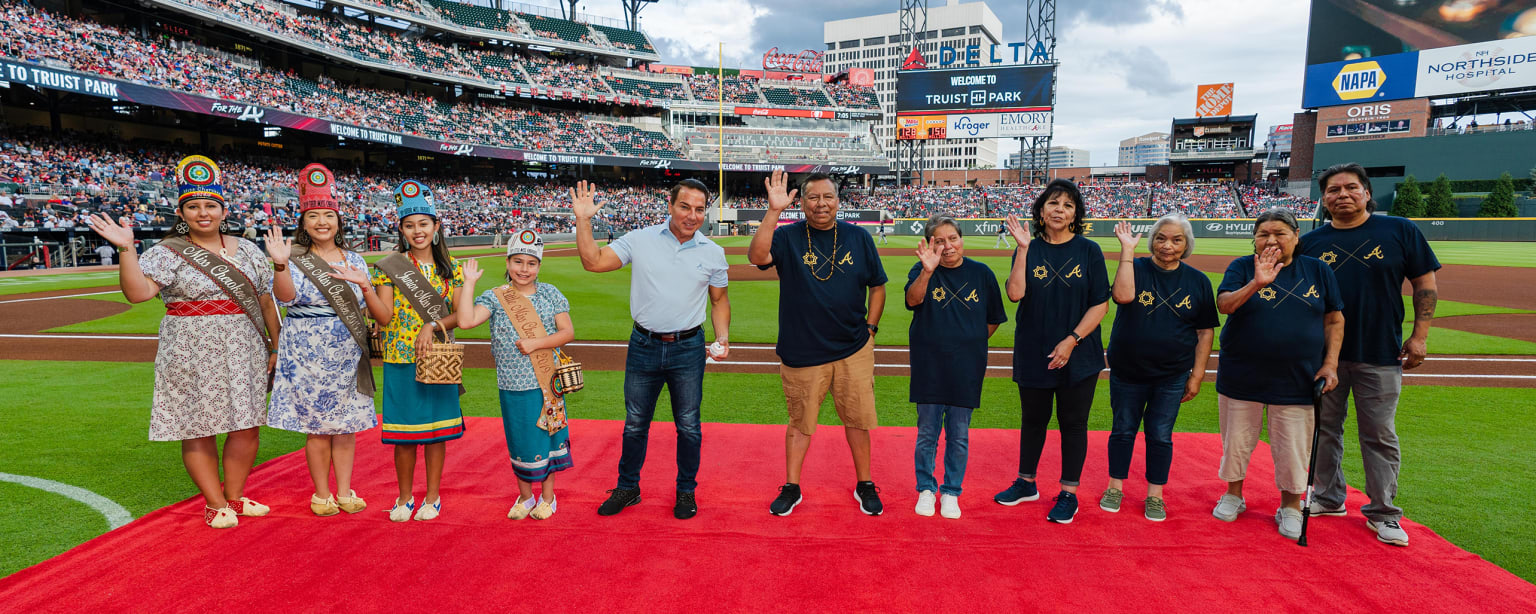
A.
pixel 1409 201
pixel 1440 202
pixel 1501 201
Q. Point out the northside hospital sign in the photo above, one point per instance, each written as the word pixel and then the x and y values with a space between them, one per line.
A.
pixel 1446 71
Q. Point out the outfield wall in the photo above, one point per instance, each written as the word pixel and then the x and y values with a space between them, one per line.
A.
pixel 1434 229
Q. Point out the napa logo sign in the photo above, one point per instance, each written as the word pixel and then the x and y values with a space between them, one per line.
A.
pixel 1377 79
pixel 1359 81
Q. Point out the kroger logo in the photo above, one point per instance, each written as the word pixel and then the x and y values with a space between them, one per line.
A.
pixel 967 125
pixel 1359 80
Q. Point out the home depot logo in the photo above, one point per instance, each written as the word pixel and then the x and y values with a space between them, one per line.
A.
pixel 1359 80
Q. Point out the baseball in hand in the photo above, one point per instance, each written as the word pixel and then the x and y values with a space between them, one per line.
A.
pixel 716 349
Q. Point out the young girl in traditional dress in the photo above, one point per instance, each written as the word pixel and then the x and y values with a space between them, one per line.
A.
pixel 417 414
pixel 324 384
pixel 538 447
pixel 216 342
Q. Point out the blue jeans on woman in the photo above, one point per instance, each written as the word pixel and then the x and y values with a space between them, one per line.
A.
pixel 1157 404
pixel 679 365
pixel 956 424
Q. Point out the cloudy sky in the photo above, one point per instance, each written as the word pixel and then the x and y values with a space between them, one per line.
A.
pixel 1128 67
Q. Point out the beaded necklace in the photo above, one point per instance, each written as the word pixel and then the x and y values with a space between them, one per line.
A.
pixel 810 258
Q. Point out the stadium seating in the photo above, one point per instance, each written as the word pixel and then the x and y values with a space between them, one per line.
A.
pixel 631 141
pixel 625 39
pixel 644 88
pixel 738 90
pixel 1195 200
pixel 473 16
pixel 796 97
pixel 563 29
pixel 853 97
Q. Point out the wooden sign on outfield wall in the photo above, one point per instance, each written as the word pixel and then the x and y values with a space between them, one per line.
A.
pixel 1214 100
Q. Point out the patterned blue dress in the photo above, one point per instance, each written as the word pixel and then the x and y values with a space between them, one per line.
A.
pixel 314 390
pixel 535 453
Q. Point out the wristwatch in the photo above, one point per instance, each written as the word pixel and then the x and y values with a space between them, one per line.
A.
pixel 873 328
pixel 1076 336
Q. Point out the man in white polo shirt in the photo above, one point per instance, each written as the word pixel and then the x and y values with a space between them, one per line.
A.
pixel 677 272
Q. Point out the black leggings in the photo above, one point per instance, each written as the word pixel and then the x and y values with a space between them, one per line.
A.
pixel 1072 404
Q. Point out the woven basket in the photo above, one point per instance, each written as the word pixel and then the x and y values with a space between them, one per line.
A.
pixel 567 378
pixel 375 342
pixel 443 364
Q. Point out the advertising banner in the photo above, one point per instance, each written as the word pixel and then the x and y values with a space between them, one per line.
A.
pixel 1478 67
pixel 979 90
pixel 1213 100
pixel 794 215
pixel 861 77
pixel 69 81
pixel 1373 121
pixel 1377 79
pixel 1012 125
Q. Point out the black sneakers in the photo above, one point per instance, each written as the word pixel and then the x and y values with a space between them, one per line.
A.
pixel 868 497
pixel 686 507
pixel 789 497
pixel 618 499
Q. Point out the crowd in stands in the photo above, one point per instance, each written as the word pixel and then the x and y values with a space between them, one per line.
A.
pixel 94 48
pixel 737 89
pixel 1196 200
pixel 565 75
pixel 851 96
pixel 1257 198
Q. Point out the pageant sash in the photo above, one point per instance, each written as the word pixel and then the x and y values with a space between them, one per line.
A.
pixel 417 290
pixel 344 303
pixel 526 320
pixel 227 277
pixel 415 287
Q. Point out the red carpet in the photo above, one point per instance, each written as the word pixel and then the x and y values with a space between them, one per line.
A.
pixel 735 556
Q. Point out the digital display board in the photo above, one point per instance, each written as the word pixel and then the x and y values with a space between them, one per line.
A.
pixel 1005 89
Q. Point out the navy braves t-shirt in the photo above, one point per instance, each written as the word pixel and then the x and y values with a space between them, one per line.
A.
pixel 1273 345
pixel 949 333
pixel 1155 334
pixel 1371 261
pixel 1064 282
pixel 823 291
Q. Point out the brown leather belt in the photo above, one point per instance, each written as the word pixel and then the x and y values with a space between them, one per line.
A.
pixel 670 337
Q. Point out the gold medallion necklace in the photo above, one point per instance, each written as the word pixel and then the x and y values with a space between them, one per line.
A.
pixel 810 258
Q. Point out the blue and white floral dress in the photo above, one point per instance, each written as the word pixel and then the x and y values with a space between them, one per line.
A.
pixel 315 389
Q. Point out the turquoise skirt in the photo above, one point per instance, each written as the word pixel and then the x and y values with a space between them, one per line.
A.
pixel 417 413
pixel 535 453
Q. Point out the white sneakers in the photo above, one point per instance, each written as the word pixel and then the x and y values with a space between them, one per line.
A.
pixel 925 503
pixel 949 505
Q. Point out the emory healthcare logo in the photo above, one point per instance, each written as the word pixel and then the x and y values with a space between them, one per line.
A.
pixel 1359 81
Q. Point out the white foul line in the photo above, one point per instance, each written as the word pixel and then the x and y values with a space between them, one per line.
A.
pixel 49 298
pixel 116 514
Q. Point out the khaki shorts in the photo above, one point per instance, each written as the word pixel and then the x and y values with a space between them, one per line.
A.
pixel 852 382
pixel 1290 440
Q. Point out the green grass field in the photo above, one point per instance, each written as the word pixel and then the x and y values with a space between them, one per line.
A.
pixel 1448 483
pixel 1452 436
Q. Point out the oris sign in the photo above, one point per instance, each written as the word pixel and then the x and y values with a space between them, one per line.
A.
pixel 806 61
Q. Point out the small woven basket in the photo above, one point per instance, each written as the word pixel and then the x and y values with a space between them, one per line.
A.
pixel 442 364
pixel 567 378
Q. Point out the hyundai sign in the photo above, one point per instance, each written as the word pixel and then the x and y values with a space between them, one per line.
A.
pixel 1010 89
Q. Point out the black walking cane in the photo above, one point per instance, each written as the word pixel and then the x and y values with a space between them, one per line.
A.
pixel 1317 414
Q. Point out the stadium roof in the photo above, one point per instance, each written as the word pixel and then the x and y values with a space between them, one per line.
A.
pixel 1224 119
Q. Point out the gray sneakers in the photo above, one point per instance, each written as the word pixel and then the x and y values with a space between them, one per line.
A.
pixel 1228 507
pixel 1388 532
pixel 1110 501
pixel 1318 509
pixel 1289 521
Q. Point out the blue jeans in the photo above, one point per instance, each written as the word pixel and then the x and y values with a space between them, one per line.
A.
pixel 650 364
pixel 956 424
pixel 1156 403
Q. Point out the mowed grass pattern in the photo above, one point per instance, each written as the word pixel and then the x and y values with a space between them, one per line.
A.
pixel 1467 466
